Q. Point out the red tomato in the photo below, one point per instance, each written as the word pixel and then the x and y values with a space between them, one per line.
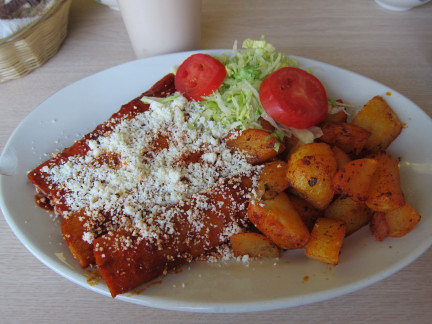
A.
pixel 199 75
pixel 294 98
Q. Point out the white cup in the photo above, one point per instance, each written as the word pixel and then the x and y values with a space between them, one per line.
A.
pixel 162 26
pixel 400 5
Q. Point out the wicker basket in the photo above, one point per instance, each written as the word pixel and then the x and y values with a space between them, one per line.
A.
pixel 34 44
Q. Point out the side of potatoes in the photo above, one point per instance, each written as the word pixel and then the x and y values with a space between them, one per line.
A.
pixel 324 191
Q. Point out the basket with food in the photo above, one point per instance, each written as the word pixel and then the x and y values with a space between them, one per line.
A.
pixel 31 33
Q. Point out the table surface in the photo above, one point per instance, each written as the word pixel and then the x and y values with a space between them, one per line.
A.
pixel 394 48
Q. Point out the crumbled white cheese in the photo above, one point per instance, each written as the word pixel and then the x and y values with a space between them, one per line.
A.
pixel 131 172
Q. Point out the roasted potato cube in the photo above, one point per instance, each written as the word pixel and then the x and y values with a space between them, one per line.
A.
pixel 254 245
pixel 348 137
pixel 326 240
pixel 385 192
pixel 257 145
pixel 266 125
pixel 272 179
pixel 379 227
pixel 291 143
pixel 381 121
pixel 342 158
pixel 310 171
pixel 354 179
pixel 395 223
pixel 401 221
pixel 308 213
pixel 337 117
pixel 278 220
pixel 353 213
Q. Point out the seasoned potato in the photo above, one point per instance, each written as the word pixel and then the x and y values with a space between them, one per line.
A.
pixel 278 220
pixel 310 171
pixel 254 245
pixel 326 240
pixel 272 179
pixel 257 145
pixel 291 143
pixel 381 121
pixel 401 221
pixel 266 125
pixel 342 158
pixel 348 137
pixel 338 117
pixel 395 223
pixel 379 227
pixel 385 192
pixel 353 213
pixel 308 213
pixel 354 179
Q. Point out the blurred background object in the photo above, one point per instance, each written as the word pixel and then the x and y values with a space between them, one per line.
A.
pixel 162 26
pixel 110 3
pixel 31 33
pixel 400 5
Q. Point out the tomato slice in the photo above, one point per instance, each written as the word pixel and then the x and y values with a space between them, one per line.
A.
pixel 294 98
pixel 199 75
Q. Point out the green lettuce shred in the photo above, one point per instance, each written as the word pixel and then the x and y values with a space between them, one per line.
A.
pixel 236 103
pixel 148 100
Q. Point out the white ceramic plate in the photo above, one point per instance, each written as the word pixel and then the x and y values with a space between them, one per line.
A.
pixel 217 287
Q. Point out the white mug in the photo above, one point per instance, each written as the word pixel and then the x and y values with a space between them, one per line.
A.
pixel 400 5
pixel 162 26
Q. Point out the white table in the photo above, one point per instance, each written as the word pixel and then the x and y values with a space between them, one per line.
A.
pixel 394 48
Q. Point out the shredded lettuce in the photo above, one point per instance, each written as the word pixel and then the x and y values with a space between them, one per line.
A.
pixel 236 103
pixel 149 100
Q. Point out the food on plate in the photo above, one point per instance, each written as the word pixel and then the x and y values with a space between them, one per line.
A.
pixel 199 76
pixel 355 214
pixel 402 220
pixel 294 98
pixel 184 231
pixel 243 149
pixel 378 118
pixel 272 179
pixel 354 179
pixel 308 213
pixel 345 136
pixel 385 180
pixel 254 245
pixel 310 171
pixel 279 220
pixel 326 240
pixel 257 143
pixel 379 227
pixel 394 223
pixel 341 157
pixel 145 192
